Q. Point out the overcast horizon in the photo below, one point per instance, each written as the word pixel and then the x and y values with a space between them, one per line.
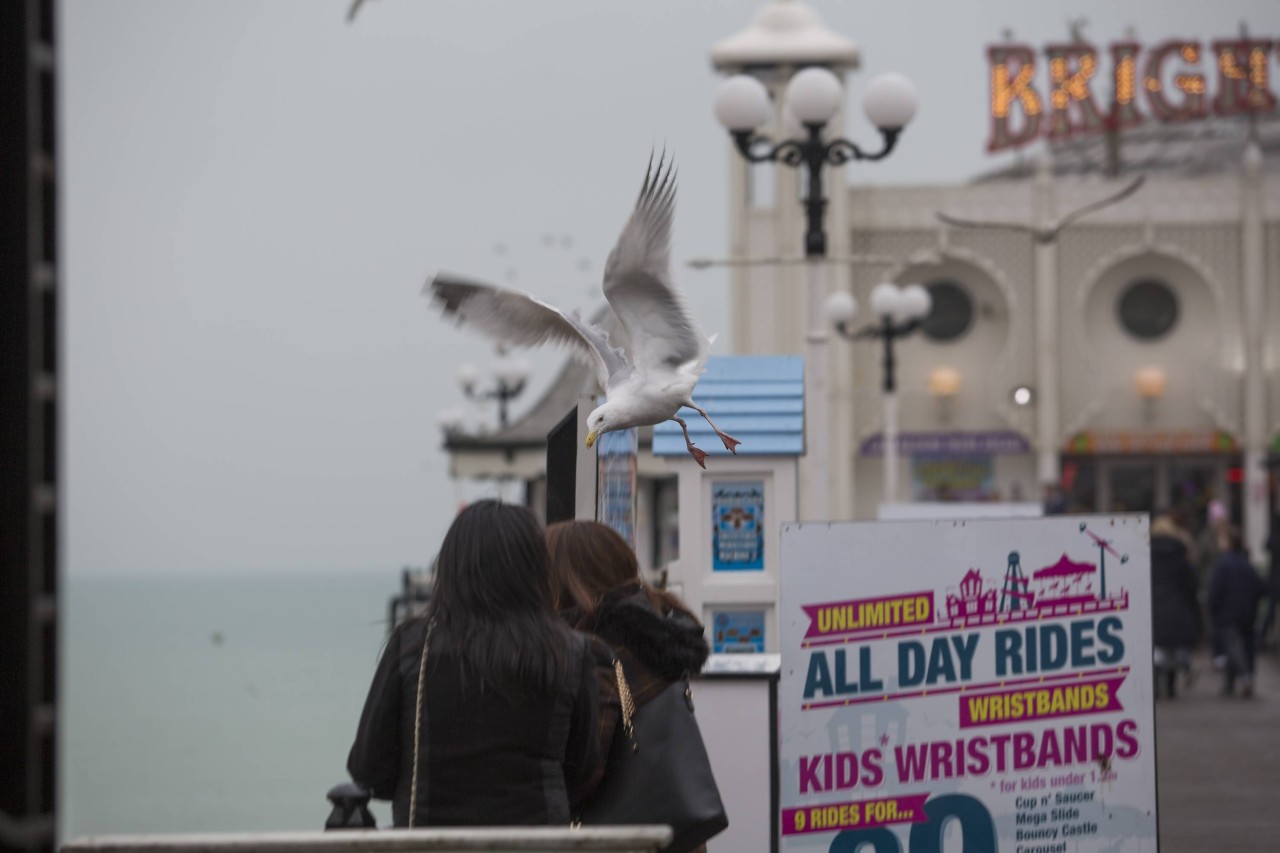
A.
pixel 253 194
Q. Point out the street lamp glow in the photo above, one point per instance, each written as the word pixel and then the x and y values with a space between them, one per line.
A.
pixel 915 302
pixel 468 376
pixel 884 300
pixel 452 420
pixel 742 103
pixel 1150 382
pixel 944 382
pixel 900 304
pixel 814 95
pixel 841 307
pixel 512 371
pixel 890 101
pixel 507 373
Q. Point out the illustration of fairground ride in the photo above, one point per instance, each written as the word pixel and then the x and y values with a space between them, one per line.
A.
pixel 1065 588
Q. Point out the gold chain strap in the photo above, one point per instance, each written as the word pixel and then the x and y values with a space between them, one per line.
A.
pixel 628 703
pixel 417 722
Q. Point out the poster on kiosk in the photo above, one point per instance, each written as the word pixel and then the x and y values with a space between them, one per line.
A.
pixel 971 686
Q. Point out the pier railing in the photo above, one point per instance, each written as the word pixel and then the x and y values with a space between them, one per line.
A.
pixel 615 839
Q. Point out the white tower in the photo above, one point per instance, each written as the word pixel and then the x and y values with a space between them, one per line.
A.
pixel 769 301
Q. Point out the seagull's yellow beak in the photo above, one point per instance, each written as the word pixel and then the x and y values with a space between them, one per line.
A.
pixel 592 436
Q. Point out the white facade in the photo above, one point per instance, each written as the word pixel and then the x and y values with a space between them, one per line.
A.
pixel 1045 317
pixel 1205 227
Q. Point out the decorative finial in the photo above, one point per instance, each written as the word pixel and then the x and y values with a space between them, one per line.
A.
pixel 1075 26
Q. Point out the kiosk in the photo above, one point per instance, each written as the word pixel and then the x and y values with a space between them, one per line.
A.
pixel 731 512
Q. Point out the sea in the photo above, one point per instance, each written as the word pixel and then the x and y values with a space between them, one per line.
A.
pixel 212 704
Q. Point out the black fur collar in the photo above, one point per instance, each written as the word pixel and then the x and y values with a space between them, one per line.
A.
pixel 670 644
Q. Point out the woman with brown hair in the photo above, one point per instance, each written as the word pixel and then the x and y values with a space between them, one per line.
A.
pixel 658 756
pixel 598 589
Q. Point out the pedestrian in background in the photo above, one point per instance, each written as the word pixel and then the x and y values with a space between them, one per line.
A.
pixel 1273 583
pixel 483 711
pixel 1174 604
pixel 1234 592
pixel 1210 544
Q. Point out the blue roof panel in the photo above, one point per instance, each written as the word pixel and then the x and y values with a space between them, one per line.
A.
pixel 758 399
pixel 762 389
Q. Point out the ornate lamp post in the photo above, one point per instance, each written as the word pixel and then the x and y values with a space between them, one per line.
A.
pixel 509 373
pixel 899 312
pixel 813 97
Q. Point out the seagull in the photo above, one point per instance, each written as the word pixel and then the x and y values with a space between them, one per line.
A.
pixel 1049 234
pixel 653 376
pixel 355 7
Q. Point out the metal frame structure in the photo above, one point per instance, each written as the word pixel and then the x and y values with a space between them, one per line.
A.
pixel 29 424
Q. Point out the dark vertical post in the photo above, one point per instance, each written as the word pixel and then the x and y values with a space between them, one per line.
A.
pixel 28 423
pixel 887 333
pixel 815 204
pixel 562 461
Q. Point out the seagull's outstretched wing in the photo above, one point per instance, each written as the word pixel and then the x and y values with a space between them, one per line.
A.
pixel 1048 235
pixel 957 222
pixel 1128 190
pixel 637 281
pixel 510 317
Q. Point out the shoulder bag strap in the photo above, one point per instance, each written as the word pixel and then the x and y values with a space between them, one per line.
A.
pixel 417 722
pixel 628 704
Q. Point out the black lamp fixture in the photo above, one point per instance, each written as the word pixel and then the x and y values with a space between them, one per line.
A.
pixel 813 96
pixel 899 312
pixel 509 375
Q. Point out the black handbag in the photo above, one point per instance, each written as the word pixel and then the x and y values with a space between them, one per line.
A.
pixel 658 770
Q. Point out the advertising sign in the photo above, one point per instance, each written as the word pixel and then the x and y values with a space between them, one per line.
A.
pixel 953 478
pixel 616 482
pixel 737 526
pixel 1181 80
pixel 983 684
pixel 737 632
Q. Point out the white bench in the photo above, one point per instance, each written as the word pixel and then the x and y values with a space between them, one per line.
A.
pixel 616 839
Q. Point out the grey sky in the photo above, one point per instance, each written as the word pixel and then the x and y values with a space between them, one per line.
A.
pixel 255 191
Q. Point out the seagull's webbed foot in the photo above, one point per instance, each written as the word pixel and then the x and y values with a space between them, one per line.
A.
pixel 699 456
pixel 730 443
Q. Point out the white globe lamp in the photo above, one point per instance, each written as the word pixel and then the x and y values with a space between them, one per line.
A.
pixel 742 103
pixel 890 101
pixel 916 302
pixel 841 307
pixel 885 298
pixel 814 95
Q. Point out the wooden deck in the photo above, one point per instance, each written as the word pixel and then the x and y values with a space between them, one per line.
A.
pixel 1218 765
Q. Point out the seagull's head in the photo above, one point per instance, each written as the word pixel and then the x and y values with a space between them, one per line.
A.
pixel 597 423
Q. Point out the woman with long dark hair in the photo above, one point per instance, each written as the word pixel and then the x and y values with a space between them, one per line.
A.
pixel 501 728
